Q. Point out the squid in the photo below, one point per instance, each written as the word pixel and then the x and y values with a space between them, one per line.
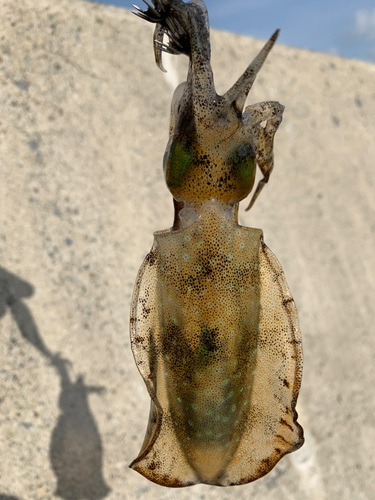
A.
pixel 214 327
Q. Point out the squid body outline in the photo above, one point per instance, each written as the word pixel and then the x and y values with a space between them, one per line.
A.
pixel 214 328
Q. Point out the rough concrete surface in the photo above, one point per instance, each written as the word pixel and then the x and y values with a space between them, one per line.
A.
pixel 83 126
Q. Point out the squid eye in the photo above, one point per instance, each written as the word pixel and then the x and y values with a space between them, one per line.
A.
pixel 243 153
pixel 242 164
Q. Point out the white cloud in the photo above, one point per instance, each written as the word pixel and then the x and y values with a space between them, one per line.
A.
pixel 364 23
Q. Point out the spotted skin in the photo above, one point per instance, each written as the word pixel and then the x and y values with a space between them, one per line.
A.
pixel 214 328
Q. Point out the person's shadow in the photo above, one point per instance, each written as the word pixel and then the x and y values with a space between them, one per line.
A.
pixel 76 451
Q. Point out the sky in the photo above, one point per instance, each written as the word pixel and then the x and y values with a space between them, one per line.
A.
pixel 342 27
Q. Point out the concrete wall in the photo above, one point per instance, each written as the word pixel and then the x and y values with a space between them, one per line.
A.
pixel 83 126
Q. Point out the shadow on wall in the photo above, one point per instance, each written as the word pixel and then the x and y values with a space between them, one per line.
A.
pixel 76 451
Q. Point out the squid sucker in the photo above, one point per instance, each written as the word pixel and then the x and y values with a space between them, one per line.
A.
pixel 214 328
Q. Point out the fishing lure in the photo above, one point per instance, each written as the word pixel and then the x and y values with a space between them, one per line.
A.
pixel 214 328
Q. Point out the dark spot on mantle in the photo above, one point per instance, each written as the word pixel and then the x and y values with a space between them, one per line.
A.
pixel 151 258
pixel 284 422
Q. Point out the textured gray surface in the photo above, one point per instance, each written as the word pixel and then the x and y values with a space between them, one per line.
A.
pixel 83 126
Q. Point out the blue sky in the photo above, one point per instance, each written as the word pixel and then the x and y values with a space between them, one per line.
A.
pixel 342 27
